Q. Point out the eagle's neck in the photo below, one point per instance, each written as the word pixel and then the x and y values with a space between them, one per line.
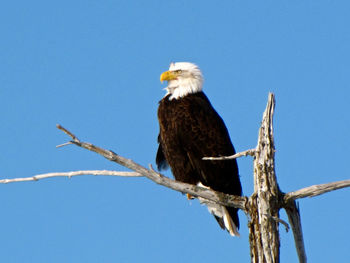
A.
pixel 179 88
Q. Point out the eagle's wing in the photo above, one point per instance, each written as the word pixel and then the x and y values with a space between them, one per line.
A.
pixel 205 136
pixel 161 162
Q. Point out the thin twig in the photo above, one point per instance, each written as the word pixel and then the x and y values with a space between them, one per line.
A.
pixel 250 152
pixel 281 221
pixel 64 144
pixel 69 175
pixel 67 132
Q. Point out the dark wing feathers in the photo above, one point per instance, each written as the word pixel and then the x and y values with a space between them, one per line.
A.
pixel 207 136
pixel 161 162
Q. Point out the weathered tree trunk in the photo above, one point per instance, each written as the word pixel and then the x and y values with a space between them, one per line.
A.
pixel 264 203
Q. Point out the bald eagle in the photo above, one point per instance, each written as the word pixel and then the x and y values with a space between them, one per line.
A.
pixel 191 129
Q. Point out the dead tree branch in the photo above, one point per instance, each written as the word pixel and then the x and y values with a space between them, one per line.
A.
pixel 69 175
pixel 250 152
pixel 293 213
pixel 315 190
pixel 196 191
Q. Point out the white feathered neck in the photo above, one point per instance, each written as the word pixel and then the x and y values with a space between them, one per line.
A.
pixel 189 80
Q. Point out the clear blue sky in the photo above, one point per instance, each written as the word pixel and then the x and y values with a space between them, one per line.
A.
pixel 94 66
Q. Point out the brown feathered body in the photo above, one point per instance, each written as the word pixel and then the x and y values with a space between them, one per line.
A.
pixel 191 129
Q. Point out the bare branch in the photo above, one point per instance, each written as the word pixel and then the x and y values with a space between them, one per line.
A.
pixel 292 210
pixel 64 144
pixel 69 175
pixel 250 152
pixel 279 220
pixel 196 191
pixel 315 190
pixel 74 138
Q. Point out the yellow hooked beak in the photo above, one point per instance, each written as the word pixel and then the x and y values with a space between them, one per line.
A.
pixel 168 75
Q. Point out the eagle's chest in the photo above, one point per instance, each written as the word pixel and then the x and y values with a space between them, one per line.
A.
pixel 175 117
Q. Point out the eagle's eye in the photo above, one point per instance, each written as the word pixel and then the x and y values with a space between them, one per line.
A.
pixel 179 71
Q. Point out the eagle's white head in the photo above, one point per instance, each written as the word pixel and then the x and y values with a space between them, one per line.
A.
pixel 183 78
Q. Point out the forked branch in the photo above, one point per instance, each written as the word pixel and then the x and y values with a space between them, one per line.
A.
pixel 196 191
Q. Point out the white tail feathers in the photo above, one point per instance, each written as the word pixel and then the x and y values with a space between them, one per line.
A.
pixel 229 224
pixel 220 212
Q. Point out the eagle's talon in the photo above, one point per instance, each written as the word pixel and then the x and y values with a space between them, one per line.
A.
pixel 189 197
